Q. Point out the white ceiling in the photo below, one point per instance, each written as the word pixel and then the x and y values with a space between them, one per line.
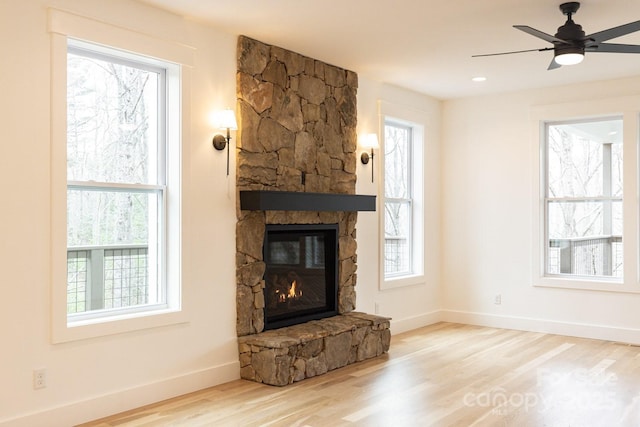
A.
pixel 426 45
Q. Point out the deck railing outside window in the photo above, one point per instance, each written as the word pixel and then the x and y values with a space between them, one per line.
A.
pixel 395 259
pixel 104 277
pixel 586 256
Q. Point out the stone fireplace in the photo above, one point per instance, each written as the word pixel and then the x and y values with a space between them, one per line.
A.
pixel 296 151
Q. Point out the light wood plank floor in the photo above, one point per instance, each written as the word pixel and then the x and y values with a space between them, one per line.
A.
pixel 441 375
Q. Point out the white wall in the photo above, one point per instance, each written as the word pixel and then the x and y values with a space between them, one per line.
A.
pixel 417 305
pixel 96 377
pixel 487 206
pixel 91 378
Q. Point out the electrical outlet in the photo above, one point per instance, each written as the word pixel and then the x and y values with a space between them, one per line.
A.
pixel 497 300
pixel 377 308
pixel 39 378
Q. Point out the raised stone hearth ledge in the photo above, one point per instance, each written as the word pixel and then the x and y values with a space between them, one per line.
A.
pixel 286 355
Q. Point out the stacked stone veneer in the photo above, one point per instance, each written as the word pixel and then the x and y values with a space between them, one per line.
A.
pixel 290 354
pixel 296 132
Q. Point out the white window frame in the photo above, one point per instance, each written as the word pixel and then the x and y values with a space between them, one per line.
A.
pixel 415 120
pixel 628 108
pixel 63 27
pixel 606 197
pixel 404 200
pixel 157 281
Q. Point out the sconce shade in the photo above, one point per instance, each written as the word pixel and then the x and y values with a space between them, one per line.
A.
pixel 225 119
pixel 369 140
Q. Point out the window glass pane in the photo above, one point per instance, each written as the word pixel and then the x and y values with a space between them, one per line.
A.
pixel 123 282
pixel 585 159
pixel 112 121
pixel 616 227
pixel 585 238
pixel 397 234
pixel 575 219
pixel 77 278
pixel 112 250
pixel 109 218
pixel 397 143
pixel 616 168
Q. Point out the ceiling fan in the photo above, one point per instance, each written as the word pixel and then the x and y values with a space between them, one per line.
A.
pixel 570 43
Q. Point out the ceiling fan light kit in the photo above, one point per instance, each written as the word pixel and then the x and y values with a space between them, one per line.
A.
pixel 570 42
pixel 571 56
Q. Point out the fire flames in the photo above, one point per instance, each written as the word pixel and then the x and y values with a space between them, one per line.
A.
pixel 293 293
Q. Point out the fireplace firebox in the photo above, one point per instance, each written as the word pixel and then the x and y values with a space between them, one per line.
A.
pixel 301 273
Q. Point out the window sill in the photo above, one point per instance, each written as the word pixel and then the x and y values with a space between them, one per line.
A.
pixel 112 325
pixel 402 281
pixel 586 284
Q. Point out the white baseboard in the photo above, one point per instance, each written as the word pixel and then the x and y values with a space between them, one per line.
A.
pixel 407 324
pixel 112 403
pixel 582 330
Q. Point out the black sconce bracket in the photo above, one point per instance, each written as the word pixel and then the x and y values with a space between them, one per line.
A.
pixel 365 157
pixel 220 142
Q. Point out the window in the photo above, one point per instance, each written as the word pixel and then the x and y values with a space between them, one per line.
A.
pixel 398 216
pixel 116 178
pixel 116 182
pixel 583 198
pixel 402 221
pixel 585 222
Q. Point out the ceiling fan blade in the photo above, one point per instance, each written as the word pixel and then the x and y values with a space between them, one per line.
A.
pixel 553 65
pixel 539 34
pixel 614 48
pixel 612 33
pixel 514 51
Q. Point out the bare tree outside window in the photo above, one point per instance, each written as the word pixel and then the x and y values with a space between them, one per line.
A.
pixel 398 199
pixel 584 198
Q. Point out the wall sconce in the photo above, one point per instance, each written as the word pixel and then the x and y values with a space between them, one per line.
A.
pixel 369 140
pixel 225 119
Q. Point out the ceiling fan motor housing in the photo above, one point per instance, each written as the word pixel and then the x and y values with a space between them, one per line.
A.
pixel 563 49
pixel 570 32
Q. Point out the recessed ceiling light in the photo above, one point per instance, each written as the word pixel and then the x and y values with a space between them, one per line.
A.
pixel 478 79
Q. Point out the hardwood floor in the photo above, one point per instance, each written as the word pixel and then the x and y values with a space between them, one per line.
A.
pixel 441 375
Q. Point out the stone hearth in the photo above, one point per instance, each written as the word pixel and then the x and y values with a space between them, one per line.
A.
pixel 283 356
pixel 297 133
